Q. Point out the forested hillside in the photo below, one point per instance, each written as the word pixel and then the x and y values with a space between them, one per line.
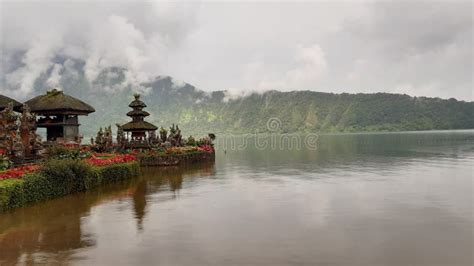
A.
pixel 199 112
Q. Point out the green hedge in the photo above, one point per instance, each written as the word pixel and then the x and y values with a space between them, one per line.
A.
pixel 11 194
pixel 117 172
pixel 58 178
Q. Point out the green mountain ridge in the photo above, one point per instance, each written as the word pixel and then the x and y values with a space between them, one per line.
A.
pixel 200 112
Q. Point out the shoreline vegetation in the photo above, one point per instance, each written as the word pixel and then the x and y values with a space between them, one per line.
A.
pixel 74 170
pixel 334 131
pixel 322 133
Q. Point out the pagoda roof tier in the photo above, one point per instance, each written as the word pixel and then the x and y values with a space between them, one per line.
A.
pixel 139 125
pixel 4 101
pixel 137 103
pixel 136 113
pixel 55 102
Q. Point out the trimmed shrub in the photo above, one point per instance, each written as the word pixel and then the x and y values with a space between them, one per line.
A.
pixel 11 194
pixel 62 173
pixel 58 178
pixel 115 172
pixel 92 179
pixel 37 187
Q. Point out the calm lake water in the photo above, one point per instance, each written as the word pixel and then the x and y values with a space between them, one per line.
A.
pixel 358 199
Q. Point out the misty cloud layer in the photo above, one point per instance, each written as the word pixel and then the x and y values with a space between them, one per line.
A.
pixel 418 48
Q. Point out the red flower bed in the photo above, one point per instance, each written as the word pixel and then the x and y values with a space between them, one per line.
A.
pixel 18 171
pixel 100 155
pixel 120 158
pixel 206 148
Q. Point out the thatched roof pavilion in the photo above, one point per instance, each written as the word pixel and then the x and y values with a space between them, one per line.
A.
pixel 56 102
pixel 4 101
pixel 59 113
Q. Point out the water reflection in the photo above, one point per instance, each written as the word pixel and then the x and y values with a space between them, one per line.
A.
pixel 49 232
pixel 43 230
pixel 359 199
pixel 357 152
pixel 139 203
pixel 153 180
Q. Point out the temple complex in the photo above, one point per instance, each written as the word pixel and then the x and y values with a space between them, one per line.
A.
pixel 34 170
pixel 138 131
pixel 58 113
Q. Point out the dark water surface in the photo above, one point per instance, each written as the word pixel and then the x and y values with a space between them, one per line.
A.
pixel 359 199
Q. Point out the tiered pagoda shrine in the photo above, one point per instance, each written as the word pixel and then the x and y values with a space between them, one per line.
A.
pixel 138 131
pixel 58 113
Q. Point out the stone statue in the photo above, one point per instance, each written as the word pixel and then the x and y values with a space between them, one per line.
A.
pixel 108 138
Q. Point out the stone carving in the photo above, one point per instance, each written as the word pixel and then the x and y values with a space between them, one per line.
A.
pixel 108 138
pixel 8 129
pixel 18 147
pixel 18 136
pixel 121 140
pixel 30 140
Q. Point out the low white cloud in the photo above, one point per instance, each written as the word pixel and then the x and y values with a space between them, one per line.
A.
pixel 420 48
pixel 308 67
pixel 355 46
pixel 127 35
pixel 232 94
pixel 36 61
pixel 55 76
pixel 118 43
pixel 177 83
pixel 312 66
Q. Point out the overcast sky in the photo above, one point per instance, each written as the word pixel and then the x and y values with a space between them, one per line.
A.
pixel 413 47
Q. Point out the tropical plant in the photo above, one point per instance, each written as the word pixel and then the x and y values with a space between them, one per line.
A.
pixel 5 162
pixel 67 152
pixel 191 141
